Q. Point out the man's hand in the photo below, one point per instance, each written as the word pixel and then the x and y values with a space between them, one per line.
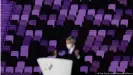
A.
pixel 77 54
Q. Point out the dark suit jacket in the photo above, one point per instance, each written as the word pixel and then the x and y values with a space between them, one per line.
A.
pixel 76 62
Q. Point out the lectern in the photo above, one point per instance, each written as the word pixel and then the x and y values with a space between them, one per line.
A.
pixel 55 66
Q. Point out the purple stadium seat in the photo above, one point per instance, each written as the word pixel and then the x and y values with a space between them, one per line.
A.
pixel 57 2
pixel 91 12
pixel 27 9
pixel 21 31
pixel 115 22
pixel 27 40
pixel 96 64
pixel 66 5
pixel 97 43
pixel 12 27
pixel 99 38
pixel 131 63
pixel 56 7
pixel 32 22
pixel 97 22
pixel 108 17
pixel 112 69
pixel 62 53
pixel 129 32
pixel 93 69
pixel 95 48
pixel 29 33
pixel 83 6
pixel 59 23
pixel 100 53
pixel 121 69
pixel 106 22
pixel 124 43
pixel 100 11
pixel 25 17
pixel 93 32
pixel 43 17
pixel 79 22
pixel 48 2
pixel 80 17
pixel 15 17
pixel 28 70
pixel 99 17
pixel 2 70
pixel 35 12
pixel 10 38
pixel 117 17
pixel 122 48
pixel 53 43
pixel 38 7
pixel 74 9
pixel 114 63
pixel 15 53
pixel 86 49
pixel 88 43
pixel 38 33
pixel 38 2
pixel 24 51
pixel 126 58
pixel 117 58
pixel 111 32
pixel 74 33
pixel 63 12
pixel 9 70
pixel 88 58
pixel 36 69
pixel 112 7
pixel 17 9
pixel 129 12
pixel 61 17
pixel 52 17
pixel 82 12
pixel 115 43
pixel 124 64
pixel 23 23
pixel 18 70
pixel 51 22
pixel 71 17
pixel 119 11
pixel 3 63
pixel 44 43
pixel 37 38
pixel 102 32
pixel 84 69
pixel 104 48
pixel 124 22
pixel 90 38
pixel 51 49
pixel 6 48
pixel 90 17
pixel 124 2
pixel 20 64
pixel 127 38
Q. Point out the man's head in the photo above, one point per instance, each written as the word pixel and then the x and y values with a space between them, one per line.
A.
pixel 70 42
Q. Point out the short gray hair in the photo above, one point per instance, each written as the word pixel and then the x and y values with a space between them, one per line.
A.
pixel 71 39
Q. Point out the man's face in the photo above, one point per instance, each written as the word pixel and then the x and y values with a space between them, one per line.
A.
pixel 69 44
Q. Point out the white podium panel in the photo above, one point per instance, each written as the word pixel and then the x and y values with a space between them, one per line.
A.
pixel 55 66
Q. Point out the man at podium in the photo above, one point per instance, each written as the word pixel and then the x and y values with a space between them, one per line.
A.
pixel 73 54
